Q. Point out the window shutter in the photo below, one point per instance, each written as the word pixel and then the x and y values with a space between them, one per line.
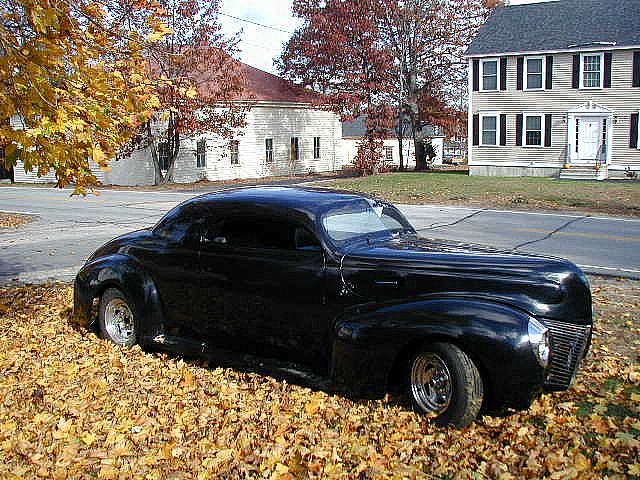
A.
pixel 547 130
pixel 476 75
pixel 476 129
pixel 608 57
pixel 576 71
pixel 634 131
pixel 519 119
pixel 519 80
pixel 636 69
pixel 503 129
pixel 549 79
pixel 503 74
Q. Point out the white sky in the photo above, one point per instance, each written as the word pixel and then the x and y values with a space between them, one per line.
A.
pixel 259 45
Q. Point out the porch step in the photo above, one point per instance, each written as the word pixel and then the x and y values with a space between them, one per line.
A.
pixel 583 173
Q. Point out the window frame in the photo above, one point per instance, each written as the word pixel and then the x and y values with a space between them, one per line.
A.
pixel 497 74
pixel 316 148
pixel 482 116
pixel 201 156
pixel 638 145
pixel 234 148
pixel 163 147
pixel 294 141
pixel 268 150
pixel 388 153
pixel 602 66
pixel 526 115
pixel 543 73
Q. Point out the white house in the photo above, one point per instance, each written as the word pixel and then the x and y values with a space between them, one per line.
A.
pixel 555 90
pixel 284 135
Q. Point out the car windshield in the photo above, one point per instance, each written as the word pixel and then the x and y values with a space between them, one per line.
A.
pixel 363 218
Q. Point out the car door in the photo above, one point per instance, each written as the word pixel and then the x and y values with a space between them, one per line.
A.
pixel 267 272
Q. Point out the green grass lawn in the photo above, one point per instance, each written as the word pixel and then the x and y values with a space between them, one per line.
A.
pixel 612 197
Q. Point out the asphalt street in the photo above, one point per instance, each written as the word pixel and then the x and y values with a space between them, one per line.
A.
pixel 68 229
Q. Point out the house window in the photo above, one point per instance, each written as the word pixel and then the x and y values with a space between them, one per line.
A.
pixel 489 75
pixel 235 152
pixel 388 153
pixel 201 153
pixel 268 149
pixel 163 155
pixel 295 148
pixel 591 70
pixel 489 125
pixel 316 148
pixel 534 126
pixel 535 72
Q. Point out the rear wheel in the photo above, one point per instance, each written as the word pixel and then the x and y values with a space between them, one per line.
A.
pixel 116 318
pixel 444 383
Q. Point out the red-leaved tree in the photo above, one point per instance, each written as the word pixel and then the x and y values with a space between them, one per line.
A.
pixel 196 79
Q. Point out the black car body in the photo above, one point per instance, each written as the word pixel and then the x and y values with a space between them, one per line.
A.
pixel 269 272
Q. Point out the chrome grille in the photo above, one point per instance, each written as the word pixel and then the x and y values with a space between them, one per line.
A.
pixel 568 344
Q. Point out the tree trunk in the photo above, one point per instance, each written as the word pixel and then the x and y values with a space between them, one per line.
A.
pixel 400 131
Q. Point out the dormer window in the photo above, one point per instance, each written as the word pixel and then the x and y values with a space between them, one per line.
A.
pixel 489 75
pixel 591 70
pixel 535 68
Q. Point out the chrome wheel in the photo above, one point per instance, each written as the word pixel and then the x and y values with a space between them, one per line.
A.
pixel 118 322
pixel 431 384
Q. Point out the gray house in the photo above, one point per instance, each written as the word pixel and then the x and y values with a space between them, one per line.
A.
pixel 555 90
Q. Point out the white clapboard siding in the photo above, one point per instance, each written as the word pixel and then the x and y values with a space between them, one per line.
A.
pixel 622 99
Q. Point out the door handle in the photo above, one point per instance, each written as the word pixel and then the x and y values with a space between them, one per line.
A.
pixel 388 283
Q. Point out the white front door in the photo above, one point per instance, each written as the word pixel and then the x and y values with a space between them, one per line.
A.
pixel 589 137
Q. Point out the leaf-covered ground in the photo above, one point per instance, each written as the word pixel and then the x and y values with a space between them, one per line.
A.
pixel 74 406
pixel 13 220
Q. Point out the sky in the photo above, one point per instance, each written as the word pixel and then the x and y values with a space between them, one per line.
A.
pixel 259 45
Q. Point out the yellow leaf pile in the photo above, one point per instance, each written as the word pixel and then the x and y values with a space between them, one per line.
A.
pixel 13 220
pixel 75 406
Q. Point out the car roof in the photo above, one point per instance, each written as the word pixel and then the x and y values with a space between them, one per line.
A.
pixel 314 200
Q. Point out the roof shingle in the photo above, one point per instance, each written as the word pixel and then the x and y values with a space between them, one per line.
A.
pixel 559 25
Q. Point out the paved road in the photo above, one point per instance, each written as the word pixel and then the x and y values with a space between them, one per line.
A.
pixel 68 229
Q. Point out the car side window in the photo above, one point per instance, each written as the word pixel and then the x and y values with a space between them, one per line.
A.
pixel 262 232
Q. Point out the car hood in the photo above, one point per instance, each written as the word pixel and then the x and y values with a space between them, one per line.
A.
pixel 117 244
pixel 407 266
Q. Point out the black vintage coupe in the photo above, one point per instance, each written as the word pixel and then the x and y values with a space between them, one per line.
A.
pixel 341 283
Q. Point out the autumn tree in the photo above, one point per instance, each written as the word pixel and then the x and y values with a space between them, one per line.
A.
pixel 69 83
pixel 427 39
pixel 192 73
pixel 337 51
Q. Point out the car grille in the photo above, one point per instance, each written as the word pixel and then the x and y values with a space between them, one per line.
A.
pixel 568 344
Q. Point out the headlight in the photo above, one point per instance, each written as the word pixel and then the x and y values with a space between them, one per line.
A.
pixel 539 339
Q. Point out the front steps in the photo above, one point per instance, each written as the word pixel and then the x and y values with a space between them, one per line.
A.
pixel 580 172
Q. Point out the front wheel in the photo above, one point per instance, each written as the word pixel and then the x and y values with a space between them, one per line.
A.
pixel 443 382
pixel 116 318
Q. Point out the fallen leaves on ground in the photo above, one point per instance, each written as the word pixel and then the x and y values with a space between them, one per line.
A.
pixel 13 220
pixel 75 406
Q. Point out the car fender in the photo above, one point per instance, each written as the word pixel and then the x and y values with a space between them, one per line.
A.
pixel 126 274
pixel 367 346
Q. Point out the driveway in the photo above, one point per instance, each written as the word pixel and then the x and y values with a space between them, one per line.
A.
pixel 68 229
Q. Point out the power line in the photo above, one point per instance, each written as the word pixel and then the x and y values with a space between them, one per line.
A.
pixel 255 23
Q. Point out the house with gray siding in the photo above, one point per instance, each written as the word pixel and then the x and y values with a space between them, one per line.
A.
pixel 555 90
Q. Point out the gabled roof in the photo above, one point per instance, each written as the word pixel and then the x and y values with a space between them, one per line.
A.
pixel 263 86
pixel 559 25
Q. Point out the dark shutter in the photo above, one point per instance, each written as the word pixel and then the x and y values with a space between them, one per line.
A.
pixel 549 79
pixel 608 57
pixel 476 129
pixel 520 73
pixel 636 69
pixel 633 143
pixel 519 118
pixel 503 74
pixel 547 130
pixel 576 71
pixel 476 75
pixel 503 129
